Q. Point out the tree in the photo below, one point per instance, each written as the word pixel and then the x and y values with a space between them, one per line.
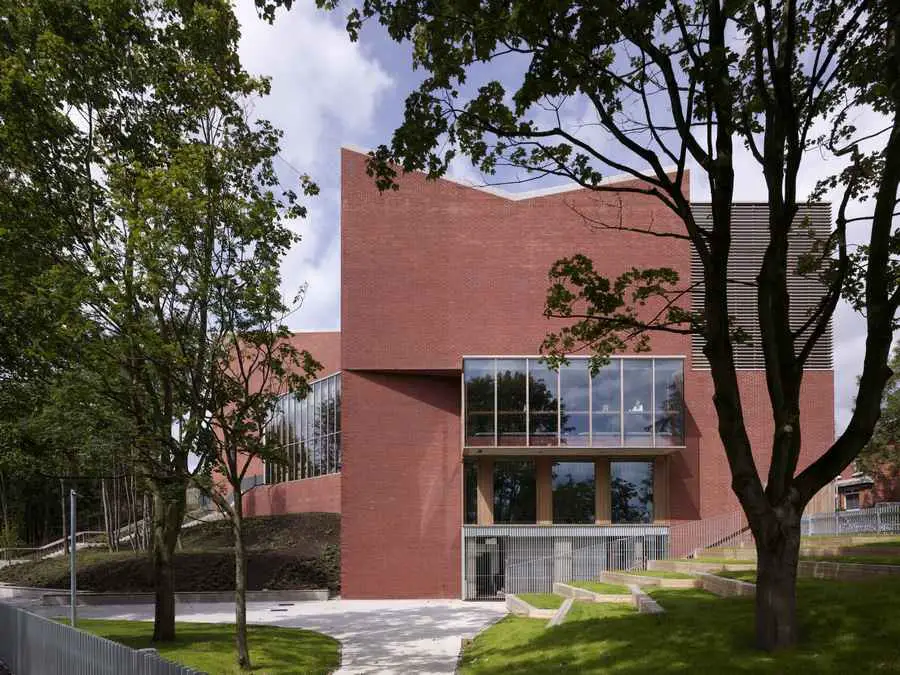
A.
pixel 881 457
pixel 156 190
pixel 253 367
pixel 669 82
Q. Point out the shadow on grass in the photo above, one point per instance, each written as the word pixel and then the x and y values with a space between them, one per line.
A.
pixel 844 628
pixel 210 647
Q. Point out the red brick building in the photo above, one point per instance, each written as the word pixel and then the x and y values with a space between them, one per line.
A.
pixel 461 465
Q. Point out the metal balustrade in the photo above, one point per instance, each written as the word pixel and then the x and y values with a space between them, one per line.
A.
pixel 33 645
pixel 880 519
pixel 86 539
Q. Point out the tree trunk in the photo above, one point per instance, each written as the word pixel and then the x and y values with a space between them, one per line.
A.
pixel 776 584
pixel 240 584
pixel 168 515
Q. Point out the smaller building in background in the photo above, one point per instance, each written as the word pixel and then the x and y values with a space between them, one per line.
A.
pixel 859 490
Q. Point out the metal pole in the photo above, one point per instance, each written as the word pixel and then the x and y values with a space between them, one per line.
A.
pixel 72 582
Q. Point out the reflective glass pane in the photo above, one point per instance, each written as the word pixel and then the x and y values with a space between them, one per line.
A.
pixel 574 492
pixel 337 403
pixel 331 384
pixel 470 492
pixel 574 394
pixel 668 416
pixel 606 394
pixel 543 404
pixel 337 452
pixel 511 402
pixel 637 383
pixel 631 492
pixel 515 495
pixel 479 382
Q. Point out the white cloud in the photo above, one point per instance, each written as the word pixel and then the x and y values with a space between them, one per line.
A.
pixel 325 91
pixel 324 87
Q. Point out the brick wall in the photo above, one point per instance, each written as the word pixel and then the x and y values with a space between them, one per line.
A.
pixel 321 494
pixel 402 489
pixel 303 495
pixel 437 271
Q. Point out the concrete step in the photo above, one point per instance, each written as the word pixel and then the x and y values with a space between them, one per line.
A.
pixel 730 552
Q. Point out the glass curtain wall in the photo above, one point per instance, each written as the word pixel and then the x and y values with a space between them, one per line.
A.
pixel 629 402
pixel 307 433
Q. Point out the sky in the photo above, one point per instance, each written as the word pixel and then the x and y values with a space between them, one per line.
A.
pixel 327 92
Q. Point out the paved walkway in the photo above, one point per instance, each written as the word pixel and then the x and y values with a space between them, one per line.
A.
pixel 378 636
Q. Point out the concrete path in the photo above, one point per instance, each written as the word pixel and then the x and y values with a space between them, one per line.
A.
pixel 377 636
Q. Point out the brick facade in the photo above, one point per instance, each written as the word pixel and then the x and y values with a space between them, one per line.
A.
pixel 438 271
pixel 315 494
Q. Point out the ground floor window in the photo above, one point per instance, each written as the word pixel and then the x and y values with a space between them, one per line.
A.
pixel 574 492
pixel 631 492
pixel 515 492
pixel 851 500
pixel 470 492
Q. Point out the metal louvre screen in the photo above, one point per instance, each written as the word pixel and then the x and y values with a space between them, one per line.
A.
pixel 749 241
pixel 501 559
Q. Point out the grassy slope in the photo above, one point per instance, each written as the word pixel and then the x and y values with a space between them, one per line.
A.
pixel 542 600
pixel 845 627
pixel 600 587
pixel 296 551
pixel 210 647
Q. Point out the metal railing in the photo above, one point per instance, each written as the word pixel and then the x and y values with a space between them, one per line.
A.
pixel 33 645
pixel 880 519
pixel 730 529
pixel 86 539
pixel 501 559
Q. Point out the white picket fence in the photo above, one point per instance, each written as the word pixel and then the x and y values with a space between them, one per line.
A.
pixel 880 519
pixel 33 645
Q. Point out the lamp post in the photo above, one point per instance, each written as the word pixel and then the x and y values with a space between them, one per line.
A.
pixel 73 616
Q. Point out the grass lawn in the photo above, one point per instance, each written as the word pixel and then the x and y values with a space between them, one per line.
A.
pixel 210 647
pixel 661 574
pixel 542 600
pixel 742 575
pixel 845 627
pixel 601 588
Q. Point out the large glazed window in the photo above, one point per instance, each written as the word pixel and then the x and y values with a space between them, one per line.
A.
pixel 632 402
pixel 470 492
pixel 575 401
pixel 543 404
pixel 479 382
pixel 574 492
pixel 606 406
pixel 631 492
pixel 668 415
pixel 512 402
pixel 307 433
pixel 515 493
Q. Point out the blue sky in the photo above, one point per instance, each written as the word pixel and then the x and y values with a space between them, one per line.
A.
pixel 328 92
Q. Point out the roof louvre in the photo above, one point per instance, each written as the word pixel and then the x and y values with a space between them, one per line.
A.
pixel 750 236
